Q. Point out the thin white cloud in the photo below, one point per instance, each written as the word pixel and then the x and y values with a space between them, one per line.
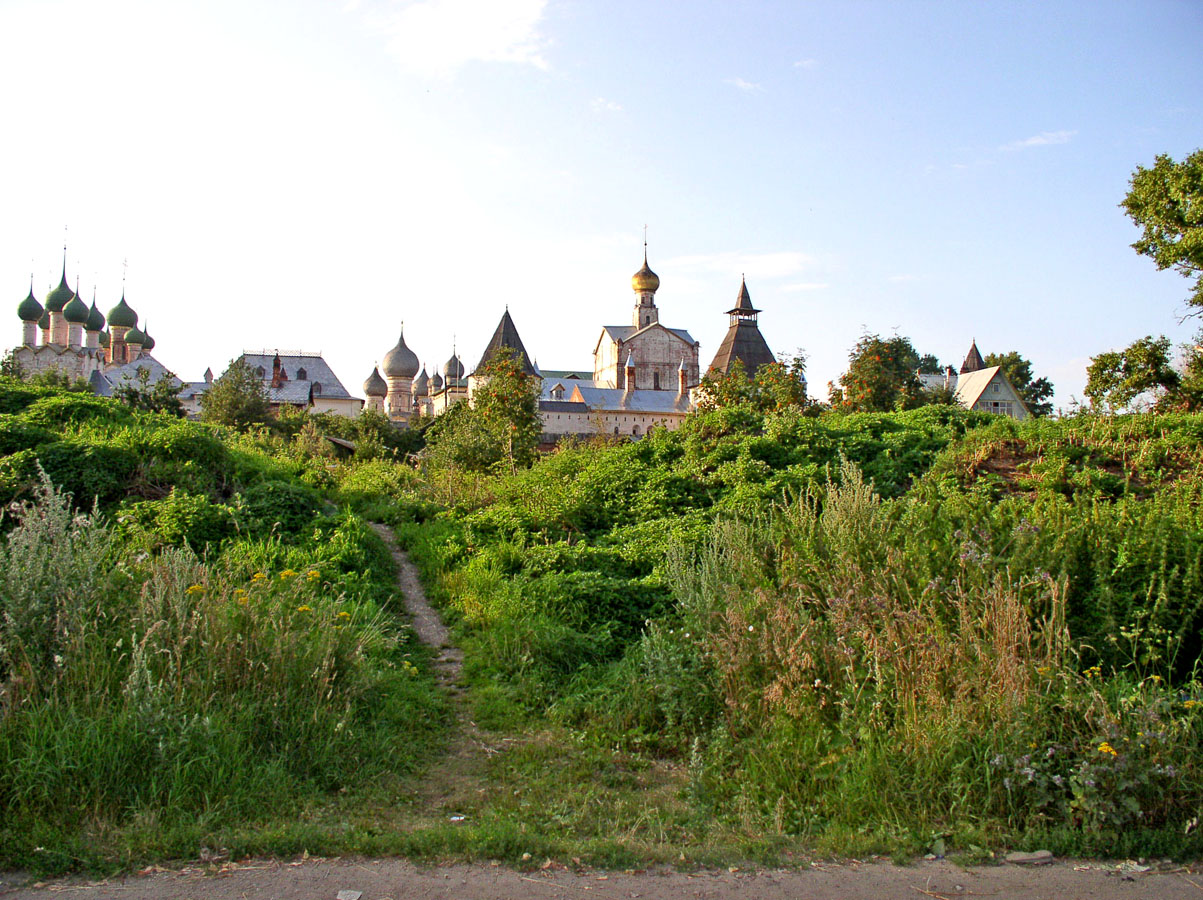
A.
pixel 804 286
pixel 754 265
pixel 806 64
pixel 437 37
pixel 749 86
pixel 1044 139
pixel 601 104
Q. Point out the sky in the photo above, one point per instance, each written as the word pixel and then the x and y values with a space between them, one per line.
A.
pixel 310 175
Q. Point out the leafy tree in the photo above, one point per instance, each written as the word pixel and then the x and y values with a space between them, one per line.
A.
pixel 1116 378
pixel 775 386
pixel 1167 202
pixel 237 398
pixel 501 427
pixel 507 401
pixel 880 377
pixel 1035 393
pixel 163 396
pixel 10 366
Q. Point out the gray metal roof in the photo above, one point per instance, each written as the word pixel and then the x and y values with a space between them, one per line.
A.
pixel 611 399
pixel 566 406
pixel 625 332
pixel 567 383
pixel 316 369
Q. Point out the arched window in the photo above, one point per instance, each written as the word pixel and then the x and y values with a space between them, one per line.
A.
pixel 317 388
pixel 616 429
pixel 655 381
pixel 635 431
pixel 302 374
pixel 260 371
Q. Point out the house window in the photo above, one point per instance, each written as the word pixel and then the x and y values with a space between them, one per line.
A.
pixel 317 388
pixel 260 371
pixel 302 374
pixel 996 387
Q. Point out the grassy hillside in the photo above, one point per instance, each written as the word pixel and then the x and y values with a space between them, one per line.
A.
pixel 192 637
pixel 869 630
pixel 933 630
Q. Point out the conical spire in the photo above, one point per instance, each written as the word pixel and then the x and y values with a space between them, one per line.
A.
pixel 973 360
pixel 506 335
pixel 743 302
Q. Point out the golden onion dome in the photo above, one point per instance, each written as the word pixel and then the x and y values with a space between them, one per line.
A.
pixel 645 279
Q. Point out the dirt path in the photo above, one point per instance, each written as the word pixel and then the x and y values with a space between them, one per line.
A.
pixel 395 879
pixel 426 622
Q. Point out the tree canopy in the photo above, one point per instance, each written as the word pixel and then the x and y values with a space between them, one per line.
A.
pixel 775 386
pixel 237 398
pixel 502 425
pixel 1117 378
pixel 1166 201
pixel 881 377
pixel 1035 392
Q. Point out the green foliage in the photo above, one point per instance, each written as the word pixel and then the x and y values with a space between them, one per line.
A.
pixel 163 396
pixel 1142 369
pixel 238 398
pixel 1166 201
pixel 278 506
pixel 161 692
pixel 774 387
pixel 500 428
pixel 1034 392
pixel 880 377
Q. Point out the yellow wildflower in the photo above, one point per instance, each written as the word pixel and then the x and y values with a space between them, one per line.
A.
pixel 314 573
pixel 1044 670
pixel 1190 704
pixel 258 576
pixel 1104 747
pixel 240 596
pixel 195 589
pixel 287 573
pixel 304 608
pixel 343 614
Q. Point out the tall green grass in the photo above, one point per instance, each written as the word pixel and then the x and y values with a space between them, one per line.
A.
pixel 142 690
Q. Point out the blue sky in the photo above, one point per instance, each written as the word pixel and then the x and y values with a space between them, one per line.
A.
pixel 308 175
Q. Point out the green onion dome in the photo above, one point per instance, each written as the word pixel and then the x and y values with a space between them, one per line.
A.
pixel 375 386
pixel 60 296
pixel 30 310
pixel 148 342
pixel 400 362
pixel 95 319
pixel 104 338
pixel 134 336
pixel 122 316
pixel 44 322
pixel 76 311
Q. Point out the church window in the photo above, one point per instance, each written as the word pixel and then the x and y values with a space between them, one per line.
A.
pixel 635 431
pixel 616 429
pixel 302 374
pixel 655 381
pixel 260 371
pixel 317 387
